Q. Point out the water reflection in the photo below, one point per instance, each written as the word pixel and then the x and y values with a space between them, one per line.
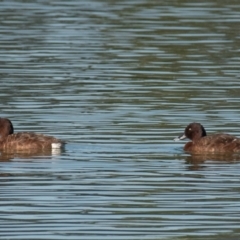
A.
pixel 200 161
pixel 30 155
pixel 213 157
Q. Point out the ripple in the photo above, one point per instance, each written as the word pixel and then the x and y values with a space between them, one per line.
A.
pixel 118 82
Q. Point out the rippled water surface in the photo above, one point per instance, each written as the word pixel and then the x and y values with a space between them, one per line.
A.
pixel 118 80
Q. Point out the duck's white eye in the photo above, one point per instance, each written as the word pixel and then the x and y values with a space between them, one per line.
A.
pixel 190 129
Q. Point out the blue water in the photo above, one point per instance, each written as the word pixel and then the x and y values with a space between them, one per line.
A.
pixel 118 81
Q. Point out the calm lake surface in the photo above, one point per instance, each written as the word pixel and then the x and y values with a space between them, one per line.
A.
pixel 118 80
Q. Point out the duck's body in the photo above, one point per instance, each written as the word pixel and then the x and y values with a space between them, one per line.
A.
pixel 25 140
pixel 203 143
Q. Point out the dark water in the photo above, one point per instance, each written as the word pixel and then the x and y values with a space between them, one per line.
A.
pixel 118 80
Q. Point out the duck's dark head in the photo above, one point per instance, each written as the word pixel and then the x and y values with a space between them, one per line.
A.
pixel 6 128
pixel 194 131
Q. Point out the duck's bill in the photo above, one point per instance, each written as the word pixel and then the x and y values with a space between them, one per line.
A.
pixel 181 137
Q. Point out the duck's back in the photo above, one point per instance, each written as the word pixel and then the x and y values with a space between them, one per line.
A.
pixel 221 143
pixel 26 141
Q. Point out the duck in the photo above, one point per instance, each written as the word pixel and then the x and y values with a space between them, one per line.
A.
pixel 25 141
pixel 203 143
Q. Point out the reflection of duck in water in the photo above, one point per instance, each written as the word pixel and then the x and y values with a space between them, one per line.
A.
pixel 25 141
pixel 30 155
pixel 215 143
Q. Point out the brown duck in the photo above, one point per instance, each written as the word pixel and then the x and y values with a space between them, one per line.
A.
pixel 203 143
pixel 25 141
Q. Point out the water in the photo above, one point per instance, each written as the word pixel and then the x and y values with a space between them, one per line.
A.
pixel 118 81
